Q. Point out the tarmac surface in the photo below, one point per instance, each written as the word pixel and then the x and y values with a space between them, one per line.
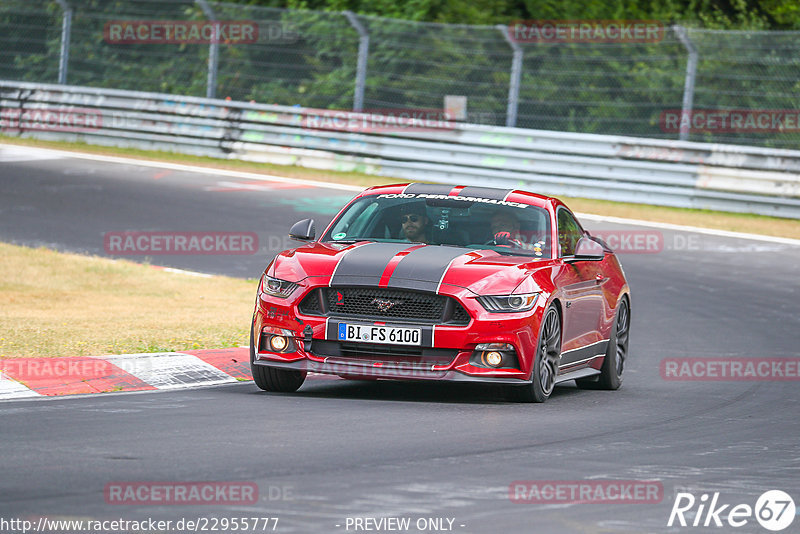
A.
pixel 446 457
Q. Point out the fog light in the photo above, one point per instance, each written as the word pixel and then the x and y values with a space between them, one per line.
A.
pixel 493 358
pixel 278 343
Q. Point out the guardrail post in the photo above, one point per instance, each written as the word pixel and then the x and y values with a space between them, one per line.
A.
pixel 66 30
pixel 516 74
pixel 688 86
pixel 213 52
pixel 363 53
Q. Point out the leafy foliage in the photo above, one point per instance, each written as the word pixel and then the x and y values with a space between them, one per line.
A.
pixel 422 50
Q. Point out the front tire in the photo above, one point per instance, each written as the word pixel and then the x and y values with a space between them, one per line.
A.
pixel 272 379
pixel 545 366
pixel 617 352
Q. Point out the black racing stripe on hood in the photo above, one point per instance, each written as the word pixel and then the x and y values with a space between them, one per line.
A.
pixel 364 265
pixel 484 192
pixel 429 189
pixel 423 268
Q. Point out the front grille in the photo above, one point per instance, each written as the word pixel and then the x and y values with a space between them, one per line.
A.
pixel 310 305
pixel 399 304
pixel 460 315
pixel 384 304
pixel 384 353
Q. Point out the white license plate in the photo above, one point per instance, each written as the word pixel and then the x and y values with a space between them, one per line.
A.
pixel 380 334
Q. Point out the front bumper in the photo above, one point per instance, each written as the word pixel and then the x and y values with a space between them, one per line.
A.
pixel 447 352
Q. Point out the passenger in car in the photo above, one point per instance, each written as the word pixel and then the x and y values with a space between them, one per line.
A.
pixel 505 229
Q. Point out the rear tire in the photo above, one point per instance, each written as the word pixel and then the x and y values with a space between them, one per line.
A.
pixel 272 379
pixel 545 365
pixel 617 352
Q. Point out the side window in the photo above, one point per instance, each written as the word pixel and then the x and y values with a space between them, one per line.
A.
pixel 569 232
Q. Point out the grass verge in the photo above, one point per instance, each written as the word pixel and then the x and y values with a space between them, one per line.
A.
pixel 57 304
pixel 733 222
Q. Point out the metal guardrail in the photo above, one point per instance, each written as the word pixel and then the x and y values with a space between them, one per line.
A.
pixel 670 173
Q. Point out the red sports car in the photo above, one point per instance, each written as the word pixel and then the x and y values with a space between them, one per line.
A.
pixel 436 282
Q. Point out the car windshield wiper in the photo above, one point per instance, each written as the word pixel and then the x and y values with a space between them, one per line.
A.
pixel 516 252
pixel 450 245
pixel 351 241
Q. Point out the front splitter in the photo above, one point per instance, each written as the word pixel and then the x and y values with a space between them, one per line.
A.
pixel 384 371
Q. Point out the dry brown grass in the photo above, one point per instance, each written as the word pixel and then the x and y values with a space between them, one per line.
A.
pixel 56 304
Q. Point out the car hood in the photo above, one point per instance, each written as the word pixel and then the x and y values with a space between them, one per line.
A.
pixel 408 266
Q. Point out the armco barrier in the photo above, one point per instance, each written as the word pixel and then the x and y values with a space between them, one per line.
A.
pixel 670 173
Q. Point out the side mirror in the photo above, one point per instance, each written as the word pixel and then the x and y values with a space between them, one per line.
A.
pixel 303 230
pixel 589 249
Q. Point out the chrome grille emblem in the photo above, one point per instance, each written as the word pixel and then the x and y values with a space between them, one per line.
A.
pixel 385 304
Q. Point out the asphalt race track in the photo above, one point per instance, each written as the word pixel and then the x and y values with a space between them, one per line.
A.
pixel 338 451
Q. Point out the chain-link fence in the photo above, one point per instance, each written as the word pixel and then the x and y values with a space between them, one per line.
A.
pixel 344 61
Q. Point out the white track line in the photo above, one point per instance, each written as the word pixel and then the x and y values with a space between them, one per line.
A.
pixel 187 168
pixel 695 229
pixel 355 188
pixel 182 271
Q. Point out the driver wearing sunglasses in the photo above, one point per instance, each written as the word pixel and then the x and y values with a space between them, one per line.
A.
pixel 414 221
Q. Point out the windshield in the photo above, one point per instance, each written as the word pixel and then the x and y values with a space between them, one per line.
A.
pixel 507 227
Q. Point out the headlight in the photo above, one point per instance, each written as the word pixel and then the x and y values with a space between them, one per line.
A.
pixel 276 287
pixel 509 303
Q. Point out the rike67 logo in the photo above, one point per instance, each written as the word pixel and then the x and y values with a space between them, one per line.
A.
pixel 774 510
